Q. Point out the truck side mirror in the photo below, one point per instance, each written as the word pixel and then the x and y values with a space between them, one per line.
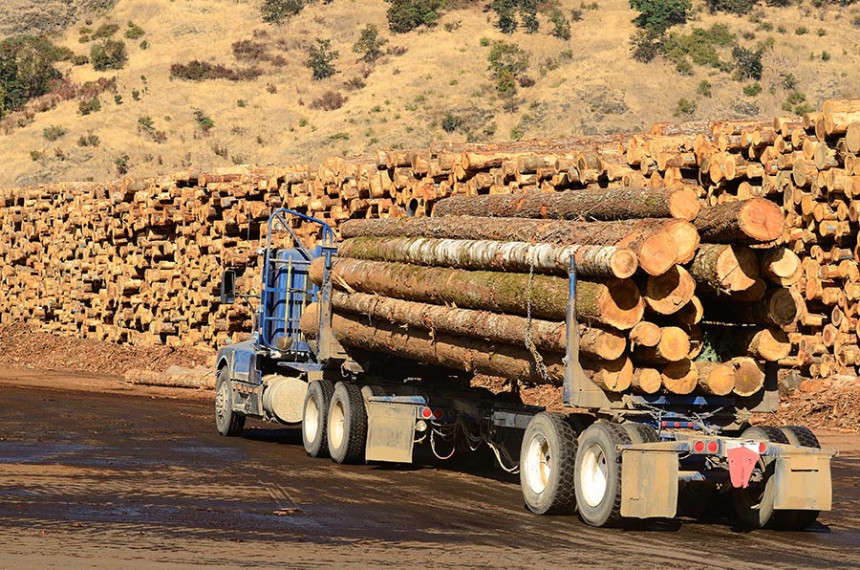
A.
pixel 228 287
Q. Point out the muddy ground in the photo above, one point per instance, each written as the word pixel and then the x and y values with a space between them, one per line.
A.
pixel 138 478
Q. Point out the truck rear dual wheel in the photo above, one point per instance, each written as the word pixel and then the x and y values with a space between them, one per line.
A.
pixel 547 457
pixel 754 505
pixel 314 418
pixel 598 472
pixel 228 422
pixel 347 424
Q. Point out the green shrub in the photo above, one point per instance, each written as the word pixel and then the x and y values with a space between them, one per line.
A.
pixel 825 56
pixel 35 155
pixel 739 7
pixel 277 11
pixel 704 88
pixel 406 15
pixel 801 31
pixel 203 121
pixel 796 103
pixel 821 32
pixel 321 59
pixel 201 71
pixel 105 31
pixel 369 44
pixel 134 32
pixel 747 63
pixel 26 69
pixel 752 89
pixel 122 164
pixel 700 47
pixel 855 21
pixel 560 25
pixel 111 54
pixel 645 45
pixel 89 140
pixel 53 132
pixel 88 106
pixel 660 15
pixel 685 108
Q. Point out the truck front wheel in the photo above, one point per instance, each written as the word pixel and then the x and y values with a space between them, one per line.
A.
pixel 546 465
pixel 228 422
pixel 598 474
pixel 314 415
pixel 347 424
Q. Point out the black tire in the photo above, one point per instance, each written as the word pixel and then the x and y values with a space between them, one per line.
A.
pixel 346 426
pixel 314 416
pixel 797 519
pixel 640 433
pixel 754 505
pixel 228 422
pixel 597 460
pixel 547 458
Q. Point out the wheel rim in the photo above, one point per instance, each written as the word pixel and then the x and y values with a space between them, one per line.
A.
pixel 537 464
pixel 593 475
pixel 336 424
pixel 221 403
pixel 312 419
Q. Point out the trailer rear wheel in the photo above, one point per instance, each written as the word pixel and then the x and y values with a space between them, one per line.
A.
pixel 598 474
pixel 228 422
pixel 314 415
pixel 347 424
pixel 640 433
pixel 797 519
pixel 547 459
pixel 754 505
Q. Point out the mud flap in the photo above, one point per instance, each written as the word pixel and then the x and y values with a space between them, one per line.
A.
pixel 802 482
pixel 649 484
pixel 390 432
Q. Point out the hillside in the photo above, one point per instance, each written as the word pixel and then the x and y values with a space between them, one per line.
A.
pixel 433 84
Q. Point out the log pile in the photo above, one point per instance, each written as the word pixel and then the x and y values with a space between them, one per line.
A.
pixel 139 261
pixel 488 293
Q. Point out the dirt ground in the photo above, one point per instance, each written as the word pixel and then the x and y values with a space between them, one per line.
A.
pixel 108 476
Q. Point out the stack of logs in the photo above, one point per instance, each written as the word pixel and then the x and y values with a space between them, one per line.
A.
pixel 482 286
pixel 140 261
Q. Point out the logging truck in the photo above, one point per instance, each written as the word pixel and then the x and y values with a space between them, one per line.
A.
pixel 608 456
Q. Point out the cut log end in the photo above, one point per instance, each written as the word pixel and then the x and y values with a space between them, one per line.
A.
pixel 645 334
pixel 749 377
pixel 658 253
pixel 717 378
pixel 684 205
pixel 667 294
pixel 680 377
pixel 623 263
pixel 761 220
pixel 646 380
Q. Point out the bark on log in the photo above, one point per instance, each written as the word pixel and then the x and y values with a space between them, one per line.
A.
pixel 646 380
pixel 725 268
pixel 680 377
pixel 668 293
pixel 604 204
pixel 655 248
pixel 616 303
pixel 460 353
pixel 717 378
pixel 515 256
pixel 769 344
pixel 614 376
pixel 510 329
pixel 749 377
pixel 749 221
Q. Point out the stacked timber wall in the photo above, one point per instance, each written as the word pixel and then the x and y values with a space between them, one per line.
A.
pixel 140 261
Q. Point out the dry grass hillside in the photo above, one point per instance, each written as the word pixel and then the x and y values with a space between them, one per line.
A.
pixel 588 84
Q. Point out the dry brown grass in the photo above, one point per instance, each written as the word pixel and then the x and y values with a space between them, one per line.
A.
pixel 599 88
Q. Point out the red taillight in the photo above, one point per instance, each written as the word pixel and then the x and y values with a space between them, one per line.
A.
pixel 439 414
pixel 699 446
pixel 712 447
pixel 426 413
pixel 762 447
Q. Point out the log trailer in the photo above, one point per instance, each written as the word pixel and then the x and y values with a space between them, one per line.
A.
pixel 610 457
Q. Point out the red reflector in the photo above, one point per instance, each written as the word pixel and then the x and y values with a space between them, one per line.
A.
pixel 426 412
pixel 762 447
pixel 699 446
pixel 712 447
pixel 439 414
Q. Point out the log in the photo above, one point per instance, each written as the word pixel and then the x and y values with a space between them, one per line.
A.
pixel 717 378
pixel 646 380
pixel 780 307
pixel 604 204
pixel 769 344
pixel 644 334
pixel 781 266
pixel 749 221
pixel 725 268
pixel 668 293
pixel 686 238
pixel 459 353
pixel 616 303
pixel 515 256
pixel 692 313
pixel 510 329
pixel 749 377
pixel 680 377
pixel 614 376
pixel 674 345
pixel 654 247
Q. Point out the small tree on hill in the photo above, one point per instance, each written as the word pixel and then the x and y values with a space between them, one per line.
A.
pixel 276 11
pixel 660 15
pixel 320 59
pixel 369 44
pixel 406 15
pixel 109 55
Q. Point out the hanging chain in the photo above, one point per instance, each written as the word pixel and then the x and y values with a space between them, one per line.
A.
pixel 529 338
